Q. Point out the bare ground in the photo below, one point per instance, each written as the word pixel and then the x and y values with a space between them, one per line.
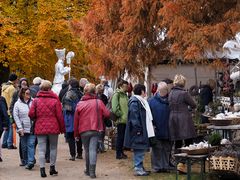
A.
pixel 107 166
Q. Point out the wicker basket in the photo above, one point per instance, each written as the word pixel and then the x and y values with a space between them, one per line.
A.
pixel 235 121
pixel 224 164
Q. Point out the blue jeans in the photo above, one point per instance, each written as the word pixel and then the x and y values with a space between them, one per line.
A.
pixel 8 136
pixel 138 156
pixel 28 148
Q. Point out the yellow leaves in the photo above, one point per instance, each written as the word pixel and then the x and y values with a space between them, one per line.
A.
pixel 30 32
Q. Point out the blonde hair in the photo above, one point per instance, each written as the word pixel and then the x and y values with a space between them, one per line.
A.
pixel 99 87
pixel 90 88
pixel 179 80
pixel 45 85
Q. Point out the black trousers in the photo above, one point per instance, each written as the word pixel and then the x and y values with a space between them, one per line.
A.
pixel 72 144
pixel 120 139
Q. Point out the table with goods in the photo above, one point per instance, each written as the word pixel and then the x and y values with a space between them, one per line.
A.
pixel 221 149
pixel 224 127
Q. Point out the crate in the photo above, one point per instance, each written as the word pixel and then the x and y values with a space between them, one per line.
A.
pixel 224 164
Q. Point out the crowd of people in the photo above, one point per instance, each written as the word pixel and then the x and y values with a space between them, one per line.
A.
pixel 81 112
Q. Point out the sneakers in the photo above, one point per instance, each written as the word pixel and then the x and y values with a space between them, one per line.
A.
pixel 140 172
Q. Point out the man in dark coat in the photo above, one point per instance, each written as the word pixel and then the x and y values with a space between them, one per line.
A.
pixel 160 110
pixel 35 87
pixel 136 135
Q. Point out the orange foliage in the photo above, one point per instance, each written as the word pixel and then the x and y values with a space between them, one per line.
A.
pixel 124 33
pixel 127 34
pixel 195 26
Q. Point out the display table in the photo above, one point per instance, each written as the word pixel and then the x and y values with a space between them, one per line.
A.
pixel 189 159
pixel 226 130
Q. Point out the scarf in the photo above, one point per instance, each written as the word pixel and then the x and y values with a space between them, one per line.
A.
pixel 149 118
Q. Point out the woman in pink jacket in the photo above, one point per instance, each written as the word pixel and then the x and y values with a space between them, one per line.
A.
pixel 46 111
pixel 88 122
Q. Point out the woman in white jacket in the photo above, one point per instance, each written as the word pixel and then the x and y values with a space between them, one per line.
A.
pixel 23 122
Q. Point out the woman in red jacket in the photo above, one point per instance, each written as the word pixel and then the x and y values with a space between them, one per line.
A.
pixel 46 111
pixel 88 122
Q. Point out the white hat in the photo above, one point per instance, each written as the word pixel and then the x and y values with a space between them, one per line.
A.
pixel 60 53
pixel 37 80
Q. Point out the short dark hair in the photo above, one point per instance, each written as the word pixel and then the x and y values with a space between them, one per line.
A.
pixel 138 88
pixel 73 82
pixel 65 84
pixel 22 93
pixel 121 82
pixel 167 81
pixel 12 77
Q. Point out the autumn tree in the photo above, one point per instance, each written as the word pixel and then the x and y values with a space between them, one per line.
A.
pixel 198 26
pixel 123 34
pixel 126 34
pixel 31 29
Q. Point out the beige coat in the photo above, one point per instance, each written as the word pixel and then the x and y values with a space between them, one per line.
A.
pixel 7 92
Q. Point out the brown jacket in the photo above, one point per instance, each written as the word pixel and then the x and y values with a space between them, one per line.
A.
pixel 181 125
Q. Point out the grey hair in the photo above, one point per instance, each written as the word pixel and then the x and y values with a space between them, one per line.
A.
pixel 163 88
pixel 37 80
pixel 83 82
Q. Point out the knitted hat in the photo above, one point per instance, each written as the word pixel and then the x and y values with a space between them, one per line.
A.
pixel 12 77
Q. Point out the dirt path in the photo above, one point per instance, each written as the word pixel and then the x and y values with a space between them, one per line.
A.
pixel 107 166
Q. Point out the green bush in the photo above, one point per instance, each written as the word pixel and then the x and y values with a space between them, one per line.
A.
pixel 215 139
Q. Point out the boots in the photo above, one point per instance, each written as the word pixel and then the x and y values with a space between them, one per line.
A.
pixel 53 170
pixel 92 170
pixel 86 171
pixel 43 173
